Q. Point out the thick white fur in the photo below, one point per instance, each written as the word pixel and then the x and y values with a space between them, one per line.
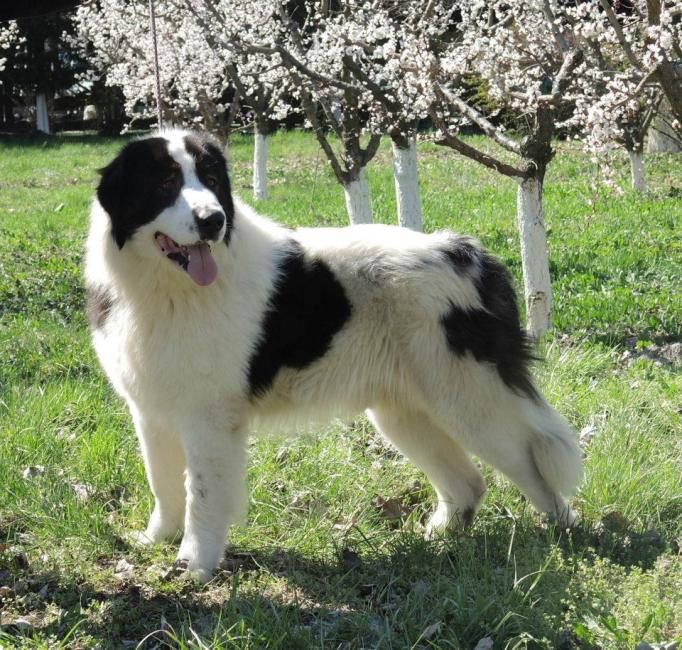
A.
pixel 179 353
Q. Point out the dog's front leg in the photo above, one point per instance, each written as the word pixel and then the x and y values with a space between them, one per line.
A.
pixel 164 461
pixel 216 492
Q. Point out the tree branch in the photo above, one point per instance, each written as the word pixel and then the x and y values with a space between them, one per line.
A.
pixel 653 11
pixel 291 62
pixel 478 118
pixel 613 20
pixel 452 141
pixel 551 19
pixel 311 114
pixel 563 78
pixel 370 150
pixel 377 92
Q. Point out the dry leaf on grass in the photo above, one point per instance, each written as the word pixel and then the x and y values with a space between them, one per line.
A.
pixel 392 509
pixel 124 570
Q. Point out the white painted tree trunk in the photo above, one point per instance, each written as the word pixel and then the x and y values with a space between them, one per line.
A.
pixel 42 118
pixel 534 257
pixel 637 170
pixel 260 166
pixel 407 186
pixel 358 202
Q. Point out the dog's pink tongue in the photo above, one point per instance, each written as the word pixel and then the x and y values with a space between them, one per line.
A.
pixel 202 267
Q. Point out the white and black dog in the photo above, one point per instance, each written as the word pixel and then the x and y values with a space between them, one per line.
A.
pixel 208 319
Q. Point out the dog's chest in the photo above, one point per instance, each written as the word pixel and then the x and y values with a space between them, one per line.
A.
pixel 166 355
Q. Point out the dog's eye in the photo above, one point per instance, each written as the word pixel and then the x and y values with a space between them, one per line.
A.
pixel 168 184
pixel 211 182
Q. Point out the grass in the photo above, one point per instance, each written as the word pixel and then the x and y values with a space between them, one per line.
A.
pixel 319 564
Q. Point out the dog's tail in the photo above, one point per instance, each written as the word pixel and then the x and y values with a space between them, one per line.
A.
pixel 555 451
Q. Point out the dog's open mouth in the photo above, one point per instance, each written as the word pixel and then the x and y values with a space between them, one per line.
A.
pixel 196 259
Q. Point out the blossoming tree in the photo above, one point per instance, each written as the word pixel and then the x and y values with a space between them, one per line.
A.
pixel 119 41
pixel 9 35
pixel 343 66
pixel 198 70
pixel 520 52
pixel 374 40
pixel 309 41
pixel 631 73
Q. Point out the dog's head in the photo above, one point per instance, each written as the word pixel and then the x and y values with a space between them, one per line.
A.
pixel 169 195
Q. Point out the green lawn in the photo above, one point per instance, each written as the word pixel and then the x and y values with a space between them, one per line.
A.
pixel 320 563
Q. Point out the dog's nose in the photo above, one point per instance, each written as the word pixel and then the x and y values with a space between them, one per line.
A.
pixel 210 226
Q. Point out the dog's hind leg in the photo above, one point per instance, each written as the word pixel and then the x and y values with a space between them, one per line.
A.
pixel 456 480
pixel 164 462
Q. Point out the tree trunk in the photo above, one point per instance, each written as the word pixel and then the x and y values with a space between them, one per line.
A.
pixel 534 257
pixel 358 202
pixel 662 138
pixel 407 185
pixel 260 162
pixel 637 170
pixel 42 117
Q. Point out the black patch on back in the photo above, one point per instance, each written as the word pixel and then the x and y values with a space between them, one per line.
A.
pixel 462 253
pixel 141 182
pixel 307 309
pixel 211 168
pixel 493 334
pixel 99 305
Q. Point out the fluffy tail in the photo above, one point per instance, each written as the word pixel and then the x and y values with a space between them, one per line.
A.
pixel 555 450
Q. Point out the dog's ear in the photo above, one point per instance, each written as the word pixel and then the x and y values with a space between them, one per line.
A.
pixel 111 195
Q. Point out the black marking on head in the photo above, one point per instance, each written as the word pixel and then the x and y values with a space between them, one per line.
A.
pixel 99 305
pixel 211 168
pixel 493 334
pixel 141 182
pixel 307 309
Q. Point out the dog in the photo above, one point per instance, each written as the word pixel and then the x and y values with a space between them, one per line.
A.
pixel 211 320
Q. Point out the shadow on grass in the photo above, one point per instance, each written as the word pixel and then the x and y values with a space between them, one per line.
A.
pixel 508 581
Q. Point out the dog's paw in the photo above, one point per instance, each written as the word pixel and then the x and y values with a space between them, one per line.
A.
pixel 565 518
pixel 446 520
pixel 141 538
pixel 156 533
pixel 439 523
pixel 192 570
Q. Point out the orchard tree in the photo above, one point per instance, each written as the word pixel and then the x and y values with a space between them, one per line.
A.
pixel 262 85
pixel 9 36
pixel 648 34
pixel 519 51
pixel 301 42
pixel 38 64
pixel 374 36
pixel 309 38
pixel 630 48
pixel 345 76
pixel 193 80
